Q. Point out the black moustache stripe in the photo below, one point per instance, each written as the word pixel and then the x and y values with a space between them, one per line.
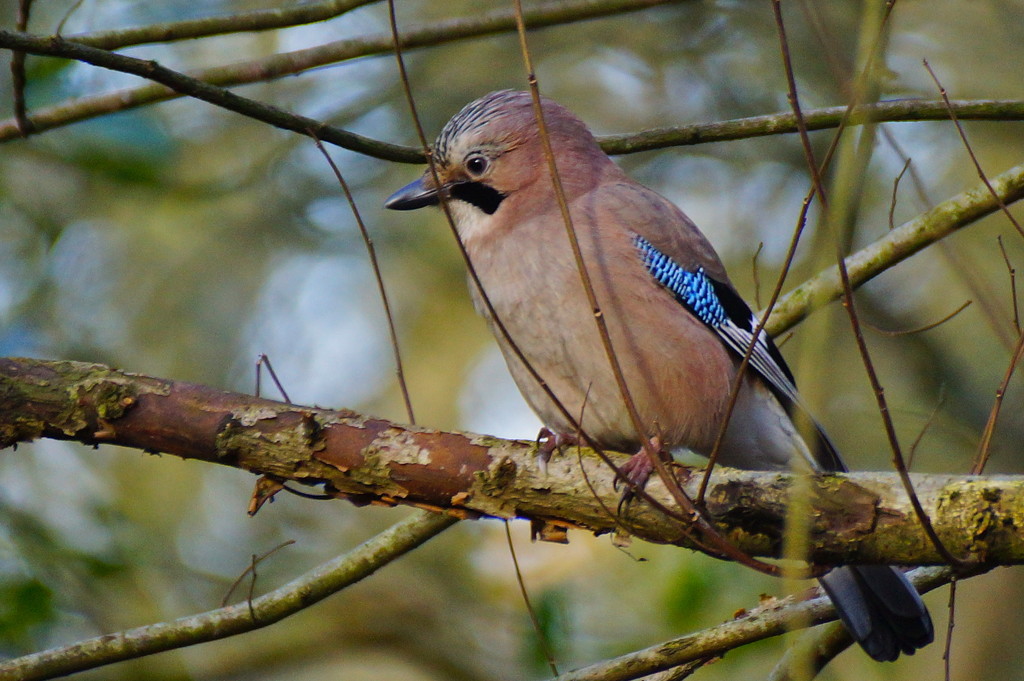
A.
pixel 482 196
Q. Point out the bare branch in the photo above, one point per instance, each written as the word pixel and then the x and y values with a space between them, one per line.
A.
pixel 18 80
pixel 904 110
pixel 237 22
pixel 812 651
pixel 199 89
pixel 764 622
pixel 290 63
pixel 293 597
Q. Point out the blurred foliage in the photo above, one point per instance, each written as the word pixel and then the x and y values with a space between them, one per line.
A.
pixel 181 241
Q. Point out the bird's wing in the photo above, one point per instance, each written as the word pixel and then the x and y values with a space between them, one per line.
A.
pixel 678 257
pixel 721 309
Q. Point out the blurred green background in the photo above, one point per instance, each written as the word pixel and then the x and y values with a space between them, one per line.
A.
pixel 180 240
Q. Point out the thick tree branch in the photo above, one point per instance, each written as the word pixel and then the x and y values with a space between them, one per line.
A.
pixel 862 517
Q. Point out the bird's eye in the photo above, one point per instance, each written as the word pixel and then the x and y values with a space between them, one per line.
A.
pixel 477 165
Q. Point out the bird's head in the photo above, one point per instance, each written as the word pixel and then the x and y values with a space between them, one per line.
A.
pixel 491 152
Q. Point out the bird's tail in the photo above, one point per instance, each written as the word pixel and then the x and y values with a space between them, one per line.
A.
pixel 880 608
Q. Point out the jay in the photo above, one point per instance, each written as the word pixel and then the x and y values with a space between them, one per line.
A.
pixel 678 327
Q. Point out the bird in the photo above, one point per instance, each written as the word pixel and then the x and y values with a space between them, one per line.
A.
pixel 677 325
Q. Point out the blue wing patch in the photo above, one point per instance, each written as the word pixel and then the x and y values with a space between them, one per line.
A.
pixel 729 317
pixel 719 307
pixel 694 289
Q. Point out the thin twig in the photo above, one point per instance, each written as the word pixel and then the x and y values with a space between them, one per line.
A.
pixel 947 653
pixel 970 150
pixel 895 190
pixel 890 430
pixel 1013 284
pixel 883 410
pixel 264 360
pixel 694 514
pixel 765 316
pixel 284 16
pixel 252 568
pixel 18 80
pixel 847 287
pixel 794 103
pixel 542 640
pixel 919 329
pixel 371 252
pixel 981 458
pixel 397 42
pixel 925 428
pixel 759 328
pixel 756 272
pixel 67 15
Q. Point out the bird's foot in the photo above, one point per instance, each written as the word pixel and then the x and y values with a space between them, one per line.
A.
pixel 548 441
pixel 636 472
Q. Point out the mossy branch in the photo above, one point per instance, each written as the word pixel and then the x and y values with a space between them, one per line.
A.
pixel 896 246
pixel 286 600
pixel 772 618
pixel 858 518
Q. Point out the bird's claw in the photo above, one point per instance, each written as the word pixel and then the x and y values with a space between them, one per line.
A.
pixel 548 441
pixel 635 473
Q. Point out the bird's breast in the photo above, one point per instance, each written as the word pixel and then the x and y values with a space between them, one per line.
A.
pixel 676 369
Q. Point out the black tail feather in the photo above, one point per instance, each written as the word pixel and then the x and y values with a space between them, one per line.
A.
pixel 880 608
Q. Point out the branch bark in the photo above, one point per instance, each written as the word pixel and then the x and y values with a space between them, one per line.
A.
pixel 858 518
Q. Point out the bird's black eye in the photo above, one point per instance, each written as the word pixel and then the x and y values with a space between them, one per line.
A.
pixel 476 165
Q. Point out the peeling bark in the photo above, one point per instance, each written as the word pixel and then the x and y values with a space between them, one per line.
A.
pixel 857 518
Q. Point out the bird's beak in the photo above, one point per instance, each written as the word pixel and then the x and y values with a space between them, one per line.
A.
pixel 417 194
